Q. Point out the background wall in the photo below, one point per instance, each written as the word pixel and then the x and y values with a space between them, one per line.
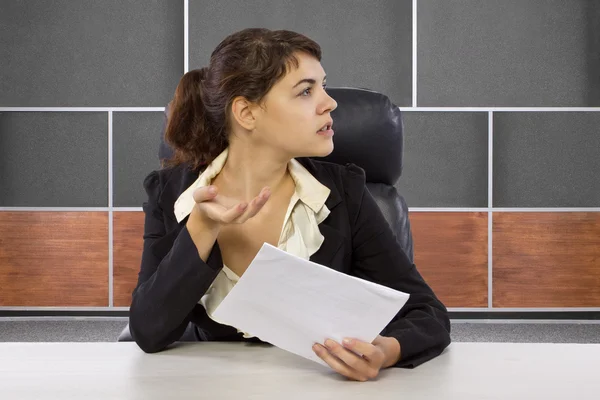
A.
pixel 502 145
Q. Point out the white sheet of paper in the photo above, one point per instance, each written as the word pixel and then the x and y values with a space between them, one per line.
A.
pixel 293 303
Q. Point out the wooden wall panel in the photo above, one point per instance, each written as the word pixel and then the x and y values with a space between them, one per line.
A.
pixel 451 253
pixel 546 259
pixel 128 230
pixel 55 259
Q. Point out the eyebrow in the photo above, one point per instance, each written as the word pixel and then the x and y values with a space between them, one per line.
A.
pixel 309 80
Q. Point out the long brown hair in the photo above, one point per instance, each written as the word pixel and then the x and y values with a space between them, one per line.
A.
pixel 246 63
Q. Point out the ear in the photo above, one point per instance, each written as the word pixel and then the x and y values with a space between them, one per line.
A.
pixel 244 113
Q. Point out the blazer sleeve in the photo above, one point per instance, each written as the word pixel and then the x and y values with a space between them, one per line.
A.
pixel 169 286
pixel 422 326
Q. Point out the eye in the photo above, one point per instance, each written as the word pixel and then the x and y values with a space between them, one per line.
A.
pixel 306 91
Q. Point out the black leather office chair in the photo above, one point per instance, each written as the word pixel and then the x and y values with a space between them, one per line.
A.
pixel 369 133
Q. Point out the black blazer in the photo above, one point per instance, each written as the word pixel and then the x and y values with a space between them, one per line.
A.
pixel 358 241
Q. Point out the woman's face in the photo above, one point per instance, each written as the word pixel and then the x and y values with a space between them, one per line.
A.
pixel 294 110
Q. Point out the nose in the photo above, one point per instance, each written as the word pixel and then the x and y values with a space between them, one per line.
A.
pixel 329 104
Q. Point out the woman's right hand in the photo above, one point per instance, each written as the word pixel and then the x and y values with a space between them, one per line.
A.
pixel 214 210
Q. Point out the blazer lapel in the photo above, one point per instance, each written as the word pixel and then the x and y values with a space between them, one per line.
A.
pixel 333 238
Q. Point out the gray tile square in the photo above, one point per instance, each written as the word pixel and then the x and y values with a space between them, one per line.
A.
pixel 445 159
pixel 546 159
pixel 87 53
pixel 136 137
pixel 53 159
pixel 509 53
pixel 365 44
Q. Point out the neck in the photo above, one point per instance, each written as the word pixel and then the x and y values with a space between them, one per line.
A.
pixel 249 169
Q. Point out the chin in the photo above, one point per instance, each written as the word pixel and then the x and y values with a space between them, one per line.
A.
pixel 322 149
pixel 325 153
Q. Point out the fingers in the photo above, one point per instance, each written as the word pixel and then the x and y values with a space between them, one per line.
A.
pixel 366 361
pixel 368 350
pixel 226 210
pixel 205 193
pixel 336 364
pixel 346 362
pixel 255 205
pixel 233 214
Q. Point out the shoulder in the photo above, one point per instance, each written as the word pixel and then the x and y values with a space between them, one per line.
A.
pixel 169 182
pixel 157 179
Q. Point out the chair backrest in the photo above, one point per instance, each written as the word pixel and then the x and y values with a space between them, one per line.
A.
pixel 369 133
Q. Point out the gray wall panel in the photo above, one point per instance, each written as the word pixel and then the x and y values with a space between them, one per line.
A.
pixel 508 53
pixel 136 136
pixel 365 43
pixel 445 159
pixel 547 159
pixel 90 53
pixel 53 159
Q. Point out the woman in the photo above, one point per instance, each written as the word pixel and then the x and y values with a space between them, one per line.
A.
pixel 242 130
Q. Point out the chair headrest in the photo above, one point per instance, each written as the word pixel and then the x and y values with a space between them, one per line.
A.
pixel 368 133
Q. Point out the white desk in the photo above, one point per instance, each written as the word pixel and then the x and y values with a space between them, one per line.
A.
pixel 239 371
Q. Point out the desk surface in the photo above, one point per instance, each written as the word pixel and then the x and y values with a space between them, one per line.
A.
pixel 244 371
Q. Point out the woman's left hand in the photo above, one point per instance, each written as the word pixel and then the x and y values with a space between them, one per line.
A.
pixel 343 358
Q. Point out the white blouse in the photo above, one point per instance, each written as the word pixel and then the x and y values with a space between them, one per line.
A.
pixel 300 234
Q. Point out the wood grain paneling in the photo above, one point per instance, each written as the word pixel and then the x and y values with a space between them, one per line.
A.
pixel 53 259
pixel 128 230
pixel 451 253
pixel 546 259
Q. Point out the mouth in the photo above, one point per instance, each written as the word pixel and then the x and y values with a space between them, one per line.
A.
pixel 326 130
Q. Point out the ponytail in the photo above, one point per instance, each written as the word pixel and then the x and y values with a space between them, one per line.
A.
pixel 194 139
